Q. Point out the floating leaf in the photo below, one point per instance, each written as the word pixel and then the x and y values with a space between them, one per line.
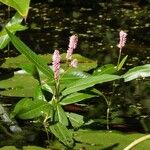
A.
pixel 84 64
pixel 34 148
pixel 21 60
pixel 20 85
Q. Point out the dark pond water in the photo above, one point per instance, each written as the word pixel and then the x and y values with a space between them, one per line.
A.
pixel 97 23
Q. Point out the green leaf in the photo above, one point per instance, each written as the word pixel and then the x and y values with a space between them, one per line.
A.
pixel 136 72
pixel 106 69
pixel 84 64
pixel 18 85
pixel 62 133
pixel 23 103
pixel 122 63
pixel 31 69
pixel 75 97
pixel 13 25
pixel 88 82
pixel 38 94
pixel 62 115
pixel 22 6
pixel 29 109
pixel 105 140
pixel 21 61
pixel 71 76
pixel 75 119
pixel 34 148
pixel 34 58
pixel 8 148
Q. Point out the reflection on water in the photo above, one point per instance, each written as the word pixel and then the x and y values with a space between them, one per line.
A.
pixel 97 23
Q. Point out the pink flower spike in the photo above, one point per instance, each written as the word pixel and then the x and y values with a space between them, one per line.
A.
pixel 56 64
pixel 72 45
pixel 122 41
pixel 73 41
pixel 74 63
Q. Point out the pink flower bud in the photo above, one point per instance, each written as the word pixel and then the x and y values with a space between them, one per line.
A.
pixel 72 45
pixel 122 39
pixel 74 63
pixel 56 64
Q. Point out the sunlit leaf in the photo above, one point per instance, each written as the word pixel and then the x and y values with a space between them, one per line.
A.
pixel 137 72
pixel 22 6
pixel 75 97
pixel 88 82
pixel 13 25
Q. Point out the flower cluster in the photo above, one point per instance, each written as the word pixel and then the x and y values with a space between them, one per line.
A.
pixel 122 41
pixel 72 45
pixel 56 64
pixel 56 57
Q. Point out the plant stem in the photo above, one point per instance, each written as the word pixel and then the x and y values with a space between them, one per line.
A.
pixel 45 127
pixel 57 90
pixel 108 111
pixel 107 118
pixel 146 137
pixel 119 58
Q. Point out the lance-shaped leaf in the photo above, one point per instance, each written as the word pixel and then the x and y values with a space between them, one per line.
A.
pixel 29 109
pixel 13 25
pixel 75 119
pixel 106 69
pixel 88 82
pixel 75 97
pixel 62 133
pixel 33 57
pixel 137 72
pixel 122 62
pixel 22 6
pixel 62 115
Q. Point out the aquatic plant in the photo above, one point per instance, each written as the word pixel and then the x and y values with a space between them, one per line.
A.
pixel 63 92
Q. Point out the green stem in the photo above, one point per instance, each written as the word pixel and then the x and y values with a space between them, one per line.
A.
pixel 57 90
pixel 107 118
pixel 45 127
pixel 130 146
pixel 108 110
pixel 119 58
